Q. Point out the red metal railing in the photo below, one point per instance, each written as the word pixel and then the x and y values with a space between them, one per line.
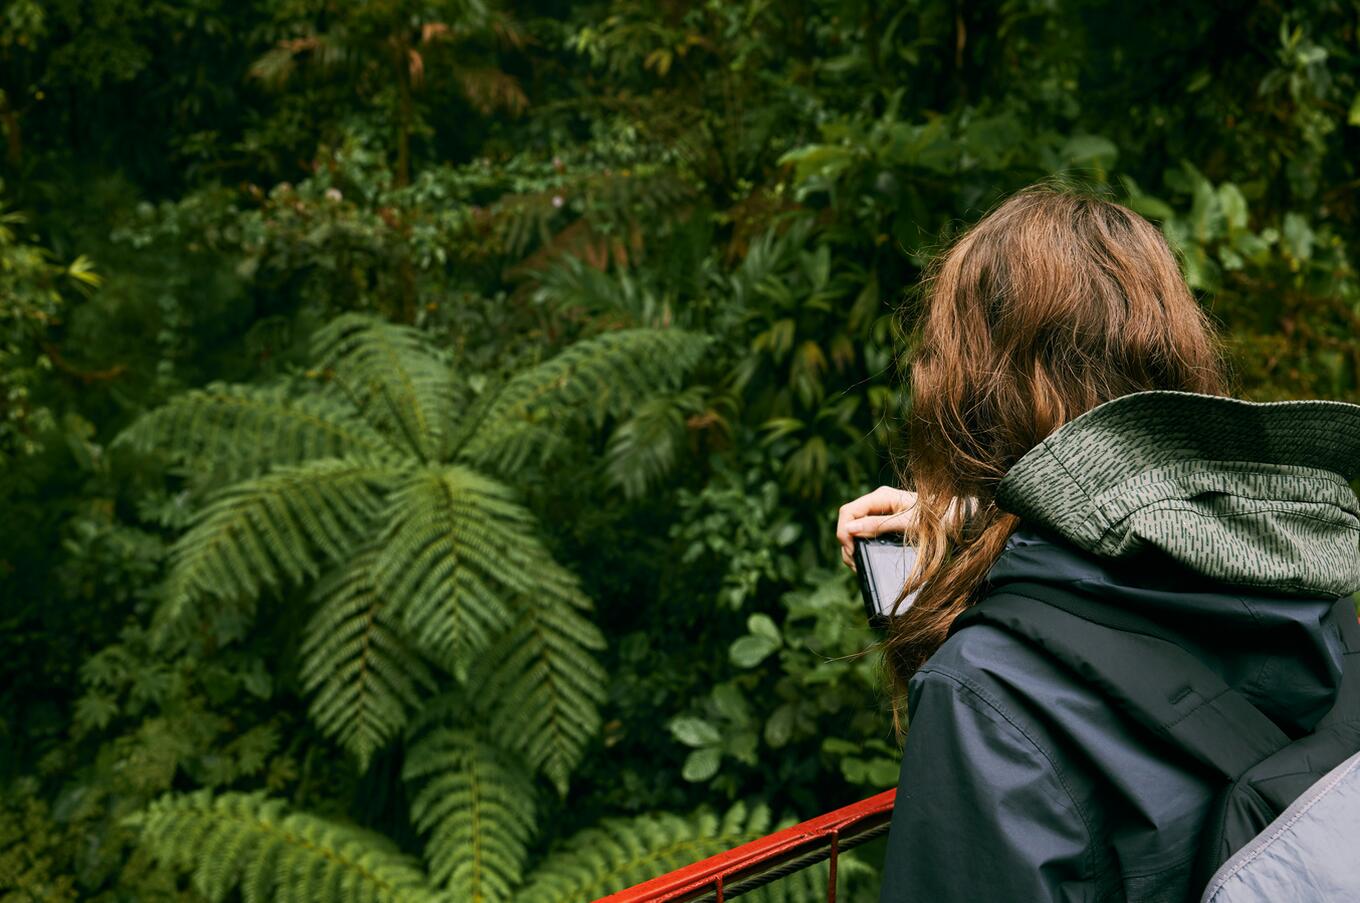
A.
pixel 728 874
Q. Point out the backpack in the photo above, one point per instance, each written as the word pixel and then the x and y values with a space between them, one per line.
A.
pixel 1289 809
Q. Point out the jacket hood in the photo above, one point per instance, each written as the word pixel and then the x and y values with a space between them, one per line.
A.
pixel 1229 523
pixel 1251 495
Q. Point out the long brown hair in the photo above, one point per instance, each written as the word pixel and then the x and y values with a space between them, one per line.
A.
pixel 1054 302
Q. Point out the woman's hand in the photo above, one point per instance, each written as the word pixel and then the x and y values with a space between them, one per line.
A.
pixel 885 510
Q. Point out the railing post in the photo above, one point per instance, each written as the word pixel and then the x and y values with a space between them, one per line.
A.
pixel 831 871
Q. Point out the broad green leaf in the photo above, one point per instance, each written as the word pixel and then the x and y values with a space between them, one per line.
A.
pixel 693 731
pixel 749 651
pixel 702 764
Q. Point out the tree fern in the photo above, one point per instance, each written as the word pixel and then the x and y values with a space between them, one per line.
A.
pixel 597 377
pixel 274 528
pixel 379 492
pixel 538 688
pixel 239 431
pixel 477 807
pixel 393 376
pixel 363 675
pixel 249 840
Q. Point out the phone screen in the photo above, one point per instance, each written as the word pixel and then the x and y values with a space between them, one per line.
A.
pixel 883 563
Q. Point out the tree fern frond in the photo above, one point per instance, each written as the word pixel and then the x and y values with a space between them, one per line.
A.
pixel 393 375
pixel 597 377
pixel 275 528
pixel 457 551
pixel 766 256
pixel 455 547
pixel 477 808
pixel 539 688
pixel 572 284
pixel 242 430
pixel 643 449
pixel 363 676
pixel 619 853
pixel 249 840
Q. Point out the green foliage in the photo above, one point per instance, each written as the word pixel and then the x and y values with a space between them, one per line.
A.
pixel 605 376
pixel 34 289
pixel 364 677
pixel 538 687
pixel 478 810
pixel 253 841
pixel 267 530
pixel 251 428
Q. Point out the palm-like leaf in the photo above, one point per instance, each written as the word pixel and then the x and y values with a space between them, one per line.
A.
pixel 364 676
pixel 644 448
pixel 455 548
pixel 477 808
pixel 239 431
pixel 539 688
pixel 255 842
pixel 393 376
pixel 597 377
pixel 275 528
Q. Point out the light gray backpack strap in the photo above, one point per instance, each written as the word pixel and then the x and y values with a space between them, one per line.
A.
pixel 1307 853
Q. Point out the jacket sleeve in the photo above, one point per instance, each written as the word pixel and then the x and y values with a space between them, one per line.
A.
pixel 982 811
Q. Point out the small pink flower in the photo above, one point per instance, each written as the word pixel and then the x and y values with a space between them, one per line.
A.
pixel 557 200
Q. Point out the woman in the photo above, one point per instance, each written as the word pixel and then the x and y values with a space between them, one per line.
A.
pixel 1066 378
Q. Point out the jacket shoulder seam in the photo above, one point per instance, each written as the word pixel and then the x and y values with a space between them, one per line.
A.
pixel 995 705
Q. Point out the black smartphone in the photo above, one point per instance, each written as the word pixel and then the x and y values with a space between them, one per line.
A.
pixel 883 563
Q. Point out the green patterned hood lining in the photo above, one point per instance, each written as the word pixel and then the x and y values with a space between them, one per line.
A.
pixel 1253 494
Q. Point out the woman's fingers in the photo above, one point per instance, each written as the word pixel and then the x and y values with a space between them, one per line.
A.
pixel 867 527
pixel 885 510
pixel 878 524
pixel 883 500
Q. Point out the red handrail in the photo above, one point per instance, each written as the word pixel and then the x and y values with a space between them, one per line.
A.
pixel 768 858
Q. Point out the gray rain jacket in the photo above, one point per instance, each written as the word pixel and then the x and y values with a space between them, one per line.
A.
pixel 1018 781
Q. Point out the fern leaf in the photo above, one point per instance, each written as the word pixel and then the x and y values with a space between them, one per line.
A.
pixel 399 383
pixel 249 840
pixel 363 676
pixel 473 587
pixel 477 808
pixel 538 688
pixel 594 378
pixel 619 853
pixel 457 549
pixel 240 431
pixel 644 448
pixel 271 529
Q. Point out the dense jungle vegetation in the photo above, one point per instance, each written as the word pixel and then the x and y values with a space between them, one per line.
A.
pixel 422 422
